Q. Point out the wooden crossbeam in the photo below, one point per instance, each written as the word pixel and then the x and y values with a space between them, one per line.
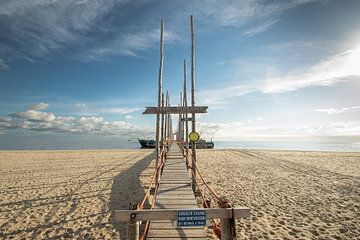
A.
pixel 175 110
pixel 170 214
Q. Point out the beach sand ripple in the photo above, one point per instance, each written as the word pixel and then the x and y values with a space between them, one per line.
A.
pixel 72 194
pixel 292 195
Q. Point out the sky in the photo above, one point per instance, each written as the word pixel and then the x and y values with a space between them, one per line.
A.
pixel 266 69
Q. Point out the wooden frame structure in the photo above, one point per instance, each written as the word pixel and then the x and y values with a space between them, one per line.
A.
pixel 174 166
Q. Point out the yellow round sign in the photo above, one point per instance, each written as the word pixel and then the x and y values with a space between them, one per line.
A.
pixel 194 136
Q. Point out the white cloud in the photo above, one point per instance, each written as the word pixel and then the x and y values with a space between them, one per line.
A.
pixel 257 131
pixel 260 28
pixel 234 12
pixel 129 44
pixel 338 111
pixel 339 68
pixel 39 106
pixel 34 115
pixel 94 30
pixel 46 121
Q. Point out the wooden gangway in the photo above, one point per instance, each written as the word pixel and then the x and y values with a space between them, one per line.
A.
pixel 175 192
pixel 169 209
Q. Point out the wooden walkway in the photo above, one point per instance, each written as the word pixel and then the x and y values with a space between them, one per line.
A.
pixel 175 192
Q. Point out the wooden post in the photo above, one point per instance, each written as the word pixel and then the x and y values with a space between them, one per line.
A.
pixel 228 225
pixel 166 118
pixel 162 121
pixel 133 229
pixel 169 121
pixel 186 114
pixel 159 92
pixel 180 123
pixel 193 98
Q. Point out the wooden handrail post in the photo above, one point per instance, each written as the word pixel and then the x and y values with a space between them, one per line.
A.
pixel 133 228
pixel 228 225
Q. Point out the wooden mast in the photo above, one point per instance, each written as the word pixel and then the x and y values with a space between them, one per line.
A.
pixel 193 129
pixel 159 91
pixel 166 117
pixel 162 121
pixel 186 114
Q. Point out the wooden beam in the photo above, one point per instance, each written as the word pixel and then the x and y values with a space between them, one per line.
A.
pixel 175 110
pixel 171 214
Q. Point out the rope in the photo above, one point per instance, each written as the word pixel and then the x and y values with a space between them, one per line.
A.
pixel 157 173
pixel 215 195
pixel 157 169
pixel 215 224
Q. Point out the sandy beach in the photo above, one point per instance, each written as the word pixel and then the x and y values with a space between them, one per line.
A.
pixel 72 194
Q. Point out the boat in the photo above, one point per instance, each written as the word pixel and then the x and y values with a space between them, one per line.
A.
pixel 146 143
pixel 203 144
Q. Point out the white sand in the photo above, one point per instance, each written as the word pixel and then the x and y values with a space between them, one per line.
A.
pixel 292 195
pixel 71 194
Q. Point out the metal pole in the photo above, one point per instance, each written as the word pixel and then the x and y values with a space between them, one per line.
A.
pixel 193 96
pixel 159 92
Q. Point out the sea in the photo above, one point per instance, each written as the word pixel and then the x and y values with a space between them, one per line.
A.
pixel 86 142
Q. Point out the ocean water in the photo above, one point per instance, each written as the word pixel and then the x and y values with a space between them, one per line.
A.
pixel 292 145
pixel 107 142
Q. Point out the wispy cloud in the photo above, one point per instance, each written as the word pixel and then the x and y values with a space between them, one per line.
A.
pixel 338 111
pixel 94 30
pixel 41 121
pixel 233 12
pixel 260 28
pixel 338 68
pixel 334 70
pixel 83 107
pixel 128 44
pixel 250 131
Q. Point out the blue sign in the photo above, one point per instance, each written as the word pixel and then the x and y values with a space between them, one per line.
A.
pixel 191 218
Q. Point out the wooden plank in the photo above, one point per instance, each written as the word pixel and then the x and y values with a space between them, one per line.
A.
pixel 167 225
pixel 179 201
pixel 175 206
pixel 175 181
pixel 175 110
pixel 178 233
pixel 170 214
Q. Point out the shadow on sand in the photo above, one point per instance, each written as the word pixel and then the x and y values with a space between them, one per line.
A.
pixel 127 190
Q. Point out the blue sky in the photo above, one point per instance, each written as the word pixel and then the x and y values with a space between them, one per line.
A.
pixel 266 69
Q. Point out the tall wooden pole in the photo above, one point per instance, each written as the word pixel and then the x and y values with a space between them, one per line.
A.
pixel 162 121
pixel 169 121
pixel 186 114
pixel 193 96
pixel 180 120
pixel 159 92
pixel 166 117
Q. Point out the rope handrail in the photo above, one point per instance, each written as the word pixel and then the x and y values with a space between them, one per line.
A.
pixel 156 173
pixel 141 206
pixel 216 196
